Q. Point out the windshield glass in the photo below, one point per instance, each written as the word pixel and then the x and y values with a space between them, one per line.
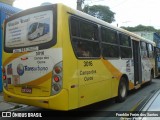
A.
pixel 29 30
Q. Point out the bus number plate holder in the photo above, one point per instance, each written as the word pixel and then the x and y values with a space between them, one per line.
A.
pixel 26 90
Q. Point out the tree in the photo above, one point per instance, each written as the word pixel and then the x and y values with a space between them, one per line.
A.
pixel 101 12
pixel 140 28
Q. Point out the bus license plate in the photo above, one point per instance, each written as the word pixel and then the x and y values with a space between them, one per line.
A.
pixel 26 90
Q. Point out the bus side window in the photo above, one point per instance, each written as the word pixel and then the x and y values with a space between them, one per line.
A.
pixel 125 46
pixel 110 47
pixel 74 27
pixel 81 51
pixel 84 38
pixel 88 30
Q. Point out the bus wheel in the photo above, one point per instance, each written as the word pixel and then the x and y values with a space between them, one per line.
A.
pixel 122 90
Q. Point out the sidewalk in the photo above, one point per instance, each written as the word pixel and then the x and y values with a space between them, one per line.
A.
pixel 6 106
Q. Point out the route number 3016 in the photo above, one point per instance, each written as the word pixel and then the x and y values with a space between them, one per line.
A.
pixel 88 63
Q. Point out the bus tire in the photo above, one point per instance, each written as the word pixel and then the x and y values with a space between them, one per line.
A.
pixel 122 90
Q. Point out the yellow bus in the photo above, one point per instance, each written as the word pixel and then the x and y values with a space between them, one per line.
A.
pixel 80 60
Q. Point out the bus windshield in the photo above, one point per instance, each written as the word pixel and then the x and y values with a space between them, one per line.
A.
pixel 35 29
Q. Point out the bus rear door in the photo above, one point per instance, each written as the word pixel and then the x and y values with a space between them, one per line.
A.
pixel 137 63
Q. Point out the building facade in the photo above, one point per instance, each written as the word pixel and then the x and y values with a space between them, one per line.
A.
pixel 153 36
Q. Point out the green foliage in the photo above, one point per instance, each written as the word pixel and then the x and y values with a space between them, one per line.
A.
pixel 142 28
pixel 101 12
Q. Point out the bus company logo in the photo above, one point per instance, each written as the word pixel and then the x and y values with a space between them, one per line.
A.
pixel 20 69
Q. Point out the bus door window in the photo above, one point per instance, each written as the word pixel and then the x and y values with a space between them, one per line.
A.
pixel 150 51
pixel 145 61
pixel 143 50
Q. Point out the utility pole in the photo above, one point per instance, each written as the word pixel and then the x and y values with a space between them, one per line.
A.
pixel 79 4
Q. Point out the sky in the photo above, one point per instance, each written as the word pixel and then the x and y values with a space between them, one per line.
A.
pixel 127 12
